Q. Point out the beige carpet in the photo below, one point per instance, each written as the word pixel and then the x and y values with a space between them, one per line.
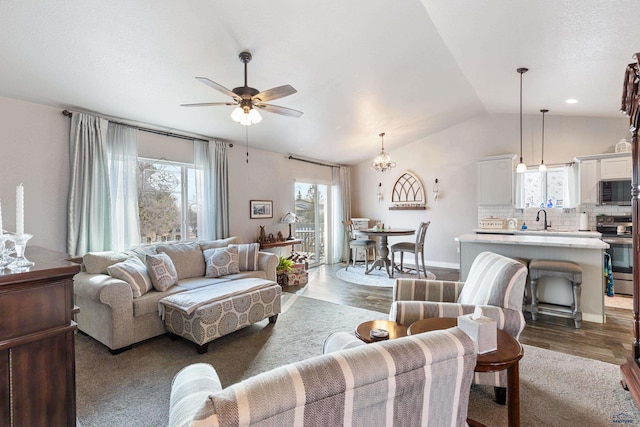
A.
pixel 132 388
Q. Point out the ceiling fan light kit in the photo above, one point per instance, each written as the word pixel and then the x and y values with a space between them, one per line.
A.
pixel 521 168
pixel 382 162
pixel 248 99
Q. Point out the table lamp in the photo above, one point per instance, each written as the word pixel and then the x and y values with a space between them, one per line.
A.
pixel 289 218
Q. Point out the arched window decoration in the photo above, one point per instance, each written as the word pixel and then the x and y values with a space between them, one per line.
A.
pixel 408 193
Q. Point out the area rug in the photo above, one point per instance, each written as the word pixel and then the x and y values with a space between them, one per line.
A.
pixel 376 277
pixel 133 387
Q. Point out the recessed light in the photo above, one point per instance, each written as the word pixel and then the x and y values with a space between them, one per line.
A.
pixel 571 101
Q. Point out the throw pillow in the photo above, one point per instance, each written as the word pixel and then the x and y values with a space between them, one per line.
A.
pixel 97 262
pixel 248 256
pixel 186 257
pixel 162 271
pixel 134 272
pixel 221 261
pixel 219 243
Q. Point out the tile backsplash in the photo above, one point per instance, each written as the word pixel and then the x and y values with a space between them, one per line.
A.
pixel 565 219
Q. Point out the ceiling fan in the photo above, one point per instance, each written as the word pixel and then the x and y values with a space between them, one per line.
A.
pixel 248 99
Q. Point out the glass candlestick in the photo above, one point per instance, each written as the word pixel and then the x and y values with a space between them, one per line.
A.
pixel 21 262
pixel 5 250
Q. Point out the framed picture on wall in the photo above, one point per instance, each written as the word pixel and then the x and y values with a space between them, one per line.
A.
pixel 261 208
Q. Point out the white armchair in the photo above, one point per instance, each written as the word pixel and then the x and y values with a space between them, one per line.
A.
pixel 495 283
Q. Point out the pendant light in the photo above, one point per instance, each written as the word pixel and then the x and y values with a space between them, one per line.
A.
pixel 521 166
pixel 542 167
pixel 382 162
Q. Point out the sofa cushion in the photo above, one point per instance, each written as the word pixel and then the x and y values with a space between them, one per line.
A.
pixel 199 282
pixel 97 262
pixel 248 256
pixel 134 272
pixel 186 257
pixel 221 261
pixel 162 271
pixel 219 243
pixel 142 252
pixel 148 303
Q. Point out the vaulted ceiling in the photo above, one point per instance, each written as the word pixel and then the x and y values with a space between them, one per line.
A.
pixel 408 68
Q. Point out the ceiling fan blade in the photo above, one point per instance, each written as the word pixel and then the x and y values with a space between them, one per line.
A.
pixel 217 86
pixel 208 104
pixel 274 93
pixel 279 110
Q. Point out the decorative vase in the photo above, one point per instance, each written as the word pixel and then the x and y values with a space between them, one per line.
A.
pixel 5 250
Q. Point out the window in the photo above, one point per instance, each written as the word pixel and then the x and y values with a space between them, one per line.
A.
pixel 311 209
pixel 166 201
pixel 543 189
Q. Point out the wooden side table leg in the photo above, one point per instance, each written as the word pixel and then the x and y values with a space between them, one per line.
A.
pixel 513 395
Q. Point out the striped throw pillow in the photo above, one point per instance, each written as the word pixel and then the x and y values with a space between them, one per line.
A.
pixel 134 272
pixel 221 262
pixel 248 256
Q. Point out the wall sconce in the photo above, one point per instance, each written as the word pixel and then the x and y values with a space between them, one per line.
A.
pixel 379 192
pixel 435 191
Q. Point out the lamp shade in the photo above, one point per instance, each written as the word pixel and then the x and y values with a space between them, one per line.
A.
pixel 289 218
pixel 246 117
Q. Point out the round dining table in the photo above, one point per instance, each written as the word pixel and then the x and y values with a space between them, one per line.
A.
pixel 383 250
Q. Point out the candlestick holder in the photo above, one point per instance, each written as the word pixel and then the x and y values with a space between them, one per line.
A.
pixel 21 262
pixel 5 250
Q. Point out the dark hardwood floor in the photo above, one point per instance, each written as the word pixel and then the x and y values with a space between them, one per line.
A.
pixel 610 342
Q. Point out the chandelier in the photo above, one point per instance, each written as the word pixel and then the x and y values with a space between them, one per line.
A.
pixel 382 162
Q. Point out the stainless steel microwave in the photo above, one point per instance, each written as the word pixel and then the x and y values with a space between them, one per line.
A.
pixel 615 192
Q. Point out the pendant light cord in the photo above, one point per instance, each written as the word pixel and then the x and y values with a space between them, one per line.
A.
pixel 521 71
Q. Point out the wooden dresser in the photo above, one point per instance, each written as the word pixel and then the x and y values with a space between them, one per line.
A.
pixel 37 355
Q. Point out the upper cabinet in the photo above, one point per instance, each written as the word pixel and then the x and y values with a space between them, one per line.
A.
pixel 589 177
pixel 616 167
pixel 495 180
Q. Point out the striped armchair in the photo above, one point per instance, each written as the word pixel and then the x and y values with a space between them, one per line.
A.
pixel 423 380
pixel 495 283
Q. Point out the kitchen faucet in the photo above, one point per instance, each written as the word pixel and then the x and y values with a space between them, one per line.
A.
pixel 545 218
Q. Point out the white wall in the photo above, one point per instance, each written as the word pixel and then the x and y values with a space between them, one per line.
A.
pixel 450 156
pixel 34 150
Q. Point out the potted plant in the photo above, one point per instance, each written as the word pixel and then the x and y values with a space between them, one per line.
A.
pixel 285 265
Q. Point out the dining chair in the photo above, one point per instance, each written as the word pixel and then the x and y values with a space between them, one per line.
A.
pixel 355 244
pixel 415 248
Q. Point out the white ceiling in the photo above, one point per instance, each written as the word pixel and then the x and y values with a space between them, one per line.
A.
pixel 408 68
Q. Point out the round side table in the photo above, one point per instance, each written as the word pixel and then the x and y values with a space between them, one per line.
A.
pixel 363 331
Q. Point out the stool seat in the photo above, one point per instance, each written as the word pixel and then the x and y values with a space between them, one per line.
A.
pixel 553 268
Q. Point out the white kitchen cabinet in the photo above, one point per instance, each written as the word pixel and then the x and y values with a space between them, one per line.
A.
pixel 616 168
pixel 589 177
pixel 495 180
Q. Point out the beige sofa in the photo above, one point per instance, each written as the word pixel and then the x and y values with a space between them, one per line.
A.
pixel 420 380
pixel 111 314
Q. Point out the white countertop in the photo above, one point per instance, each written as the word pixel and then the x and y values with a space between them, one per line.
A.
pixel 526 239
pixel 535 232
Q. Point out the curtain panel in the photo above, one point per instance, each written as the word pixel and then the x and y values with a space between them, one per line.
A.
pixel 89 205
pixel 212 185
pixel 341 198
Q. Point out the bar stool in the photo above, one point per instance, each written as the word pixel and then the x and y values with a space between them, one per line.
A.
pixel 564 269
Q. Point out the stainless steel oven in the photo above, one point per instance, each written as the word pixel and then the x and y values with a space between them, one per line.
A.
pixel 616 231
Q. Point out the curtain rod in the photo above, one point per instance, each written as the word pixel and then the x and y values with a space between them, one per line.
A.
pixel 159 132
pixel 315 162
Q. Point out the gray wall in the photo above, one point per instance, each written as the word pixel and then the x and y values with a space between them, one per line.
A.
pixel 34 151
pixel 450 156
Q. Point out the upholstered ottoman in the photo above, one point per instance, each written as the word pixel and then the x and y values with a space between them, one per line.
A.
pixel 204 314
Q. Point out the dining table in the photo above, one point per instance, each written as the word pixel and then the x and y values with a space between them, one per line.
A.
pixel 383 250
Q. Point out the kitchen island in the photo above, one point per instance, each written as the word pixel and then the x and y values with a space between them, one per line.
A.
pixel 586 252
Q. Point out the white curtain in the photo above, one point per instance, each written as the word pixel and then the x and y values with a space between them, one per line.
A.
pixel 212 183
pixel 122 143
pixel 89 205
pixel 341 196
pixel 571 188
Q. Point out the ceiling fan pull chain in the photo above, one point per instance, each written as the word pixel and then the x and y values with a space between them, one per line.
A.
pixel 246 128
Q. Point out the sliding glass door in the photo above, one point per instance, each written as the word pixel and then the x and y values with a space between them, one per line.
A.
pixel 311 207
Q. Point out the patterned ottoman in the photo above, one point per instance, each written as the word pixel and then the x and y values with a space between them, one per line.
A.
pixel 204 314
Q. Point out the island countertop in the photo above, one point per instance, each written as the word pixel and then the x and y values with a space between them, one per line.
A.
pixel 534 240
pixel 539 232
